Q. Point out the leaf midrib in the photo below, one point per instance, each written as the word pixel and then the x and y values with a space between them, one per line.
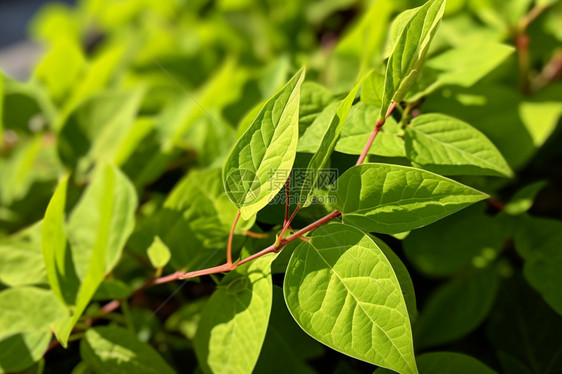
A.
pixel 358 303
pixel 449 145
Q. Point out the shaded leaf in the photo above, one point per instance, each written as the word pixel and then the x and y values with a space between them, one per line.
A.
pixel 234 321
pixel 523 326
pixel 537 240
pixel 448 146
pixel 199 209
pixel 97 128
pixel 360 125
pixel 524 198
pixel 468 239
pixel 461 66
pixel 19 351
pixel 467 300
pixel 447 363
pixel 116 350
pixel 286 347
pixel 327 144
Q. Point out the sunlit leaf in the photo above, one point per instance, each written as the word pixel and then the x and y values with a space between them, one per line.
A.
pixel 449 146
pixel 409 51
pixel 388 198
pixel 326 147
pixel 265 149
pixel 342 290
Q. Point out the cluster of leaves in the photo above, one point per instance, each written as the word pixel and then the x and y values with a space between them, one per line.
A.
pixel 148 127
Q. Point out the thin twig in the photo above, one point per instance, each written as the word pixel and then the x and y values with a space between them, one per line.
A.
pixel 378 125
pixel 229 245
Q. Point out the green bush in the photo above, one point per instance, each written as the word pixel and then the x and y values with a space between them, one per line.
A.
pixel 246 186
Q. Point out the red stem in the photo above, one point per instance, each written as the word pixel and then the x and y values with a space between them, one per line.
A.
pixel 296 235
pixel 276 247
pixel 287 196
pixel 378 126
pixel 216 269
pixel 287 224
pixel 229 245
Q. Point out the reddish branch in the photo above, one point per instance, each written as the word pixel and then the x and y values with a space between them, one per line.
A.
pixel 276 247
pixel 378 125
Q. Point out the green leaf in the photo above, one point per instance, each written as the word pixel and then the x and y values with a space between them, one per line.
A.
pixel 523 326
pixel 54 241
pixel 97 128
pixel 402 275
pixel 116 350
pixel 342 290
pixel 104 217
pixel 267 147
pixel 199 209
pixel 451 363
pixel 21 258
pixel 186 319
pixel 458 248
pixel 24 104
pixel 371 92
pixel 461 66
pixel 326 147
pixel 111 289
pixel 467 300
pixel 449 146
pixel 396 27
pixel 158 253
pixel 447 363
pixel 28 309
pixel 19 351
pixel 410 51
pixel 234 321
pixel 392 199
pixel 359 127
pixel 523 199
pixel 537 240
pixel 97 231
pixel 61 66
pixel 314 98
pixel 360 47
pixel 310 140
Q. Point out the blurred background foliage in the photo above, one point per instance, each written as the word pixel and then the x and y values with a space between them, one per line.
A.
pixel 162 88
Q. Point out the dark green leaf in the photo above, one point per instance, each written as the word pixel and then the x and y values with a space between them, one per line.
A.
pixel 234 321
pixel 468 239
pixel 118 351
pixel 467 300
